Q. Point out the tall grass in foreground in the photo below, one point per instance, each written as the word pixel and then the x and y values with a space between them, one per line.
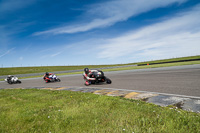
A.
pixel 45 111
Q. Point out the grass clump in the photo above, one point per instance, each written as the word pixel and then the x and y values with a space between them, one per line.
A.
pixel 34 110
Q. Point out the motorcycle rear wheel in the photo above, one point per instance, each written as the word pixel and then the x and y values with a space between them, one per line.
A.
pixel 10 82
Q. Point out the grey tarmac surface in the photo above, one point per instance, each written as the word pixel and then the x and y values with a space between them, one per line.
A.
pixel 177 86
pixel 69 71
pixel 180 80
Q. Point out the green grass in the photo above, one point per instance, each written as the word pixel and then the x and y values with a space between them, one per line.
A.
pixel 182 59
pixel 127 68
pixel 154 66
pixel 45 111
pixel 25 70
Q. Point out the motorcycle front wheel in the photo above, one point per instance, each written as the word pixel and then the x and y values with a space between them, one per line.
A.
pixel 108 81
pixel 18 81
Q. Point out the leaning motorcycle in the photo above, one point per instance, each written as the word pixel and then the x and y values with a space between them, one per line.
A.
pixel 13 80
pixel 51 78
pixel 100 78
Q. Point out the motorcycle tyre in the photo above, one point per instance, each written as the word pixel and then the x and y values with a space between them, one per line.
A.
pixel 9 82
pixel 58 80
pixel 18 81
pixel 108 81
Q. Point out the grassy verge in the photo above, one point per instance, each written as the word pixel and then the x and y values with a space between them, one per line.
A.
pixel 182 59
pixel 126 68
pixel 45 111
pixel 25 70
pixel 154 66
pixel 142 67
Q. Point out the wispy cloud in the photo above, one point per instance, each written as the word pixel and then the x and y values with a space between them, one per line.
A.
pixel 52 52
pixel 108 13
pixel 7 52
pixel 55 54
pixel 178 36
pixel 9 30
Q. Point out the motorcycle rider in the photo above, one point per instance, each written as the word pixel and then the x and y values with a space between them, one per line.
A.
pixel 90 75
pixel 46 75
pixel 10 78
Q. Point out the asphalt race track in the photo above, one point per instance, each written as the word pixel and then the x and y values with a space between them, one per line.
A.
pixel 181 80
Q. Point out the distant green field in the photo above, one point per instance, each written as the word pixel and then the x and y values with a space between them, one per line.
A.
pixel 43 69
pixel 182 59
pixel 127 68
pixel 46 111
pixel 28 70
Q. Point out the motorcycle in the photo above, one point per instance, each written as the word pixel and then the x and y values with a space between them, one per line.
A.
pixel 13 80
pixel 99 76
pixel 51 78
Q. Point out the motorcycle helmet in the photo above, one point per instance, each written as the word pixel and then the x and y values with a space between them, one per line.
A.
pixel 47 73
pixel 86 70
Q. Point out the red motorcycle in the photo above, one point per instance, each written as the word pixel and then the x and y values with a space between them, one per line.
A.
pixel 51 78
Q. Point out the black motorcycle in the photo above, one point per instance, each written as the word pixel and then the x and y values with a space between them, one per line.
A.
pixel 100 78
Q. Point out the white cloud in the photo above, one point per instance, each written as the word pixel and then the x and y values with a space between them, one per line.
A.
pixel 111 12
pixel 8 30
pixel 178 36
pixel 7 52
pixel 55 54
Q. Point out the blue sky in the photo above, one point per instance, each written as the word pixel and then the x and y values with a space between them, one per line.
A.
pixel 85 32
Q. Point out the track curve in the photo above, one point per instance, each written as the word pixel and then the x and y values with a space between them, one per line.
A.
pixel 182 80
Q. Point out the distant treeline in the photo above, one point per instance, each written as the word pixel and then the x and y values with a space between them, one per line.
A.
pixel 174 60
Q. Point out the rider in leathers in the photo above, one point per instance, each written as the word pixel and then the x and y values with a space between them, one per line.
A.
pixel 46 75
pixel 89 75
pixel 11 78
